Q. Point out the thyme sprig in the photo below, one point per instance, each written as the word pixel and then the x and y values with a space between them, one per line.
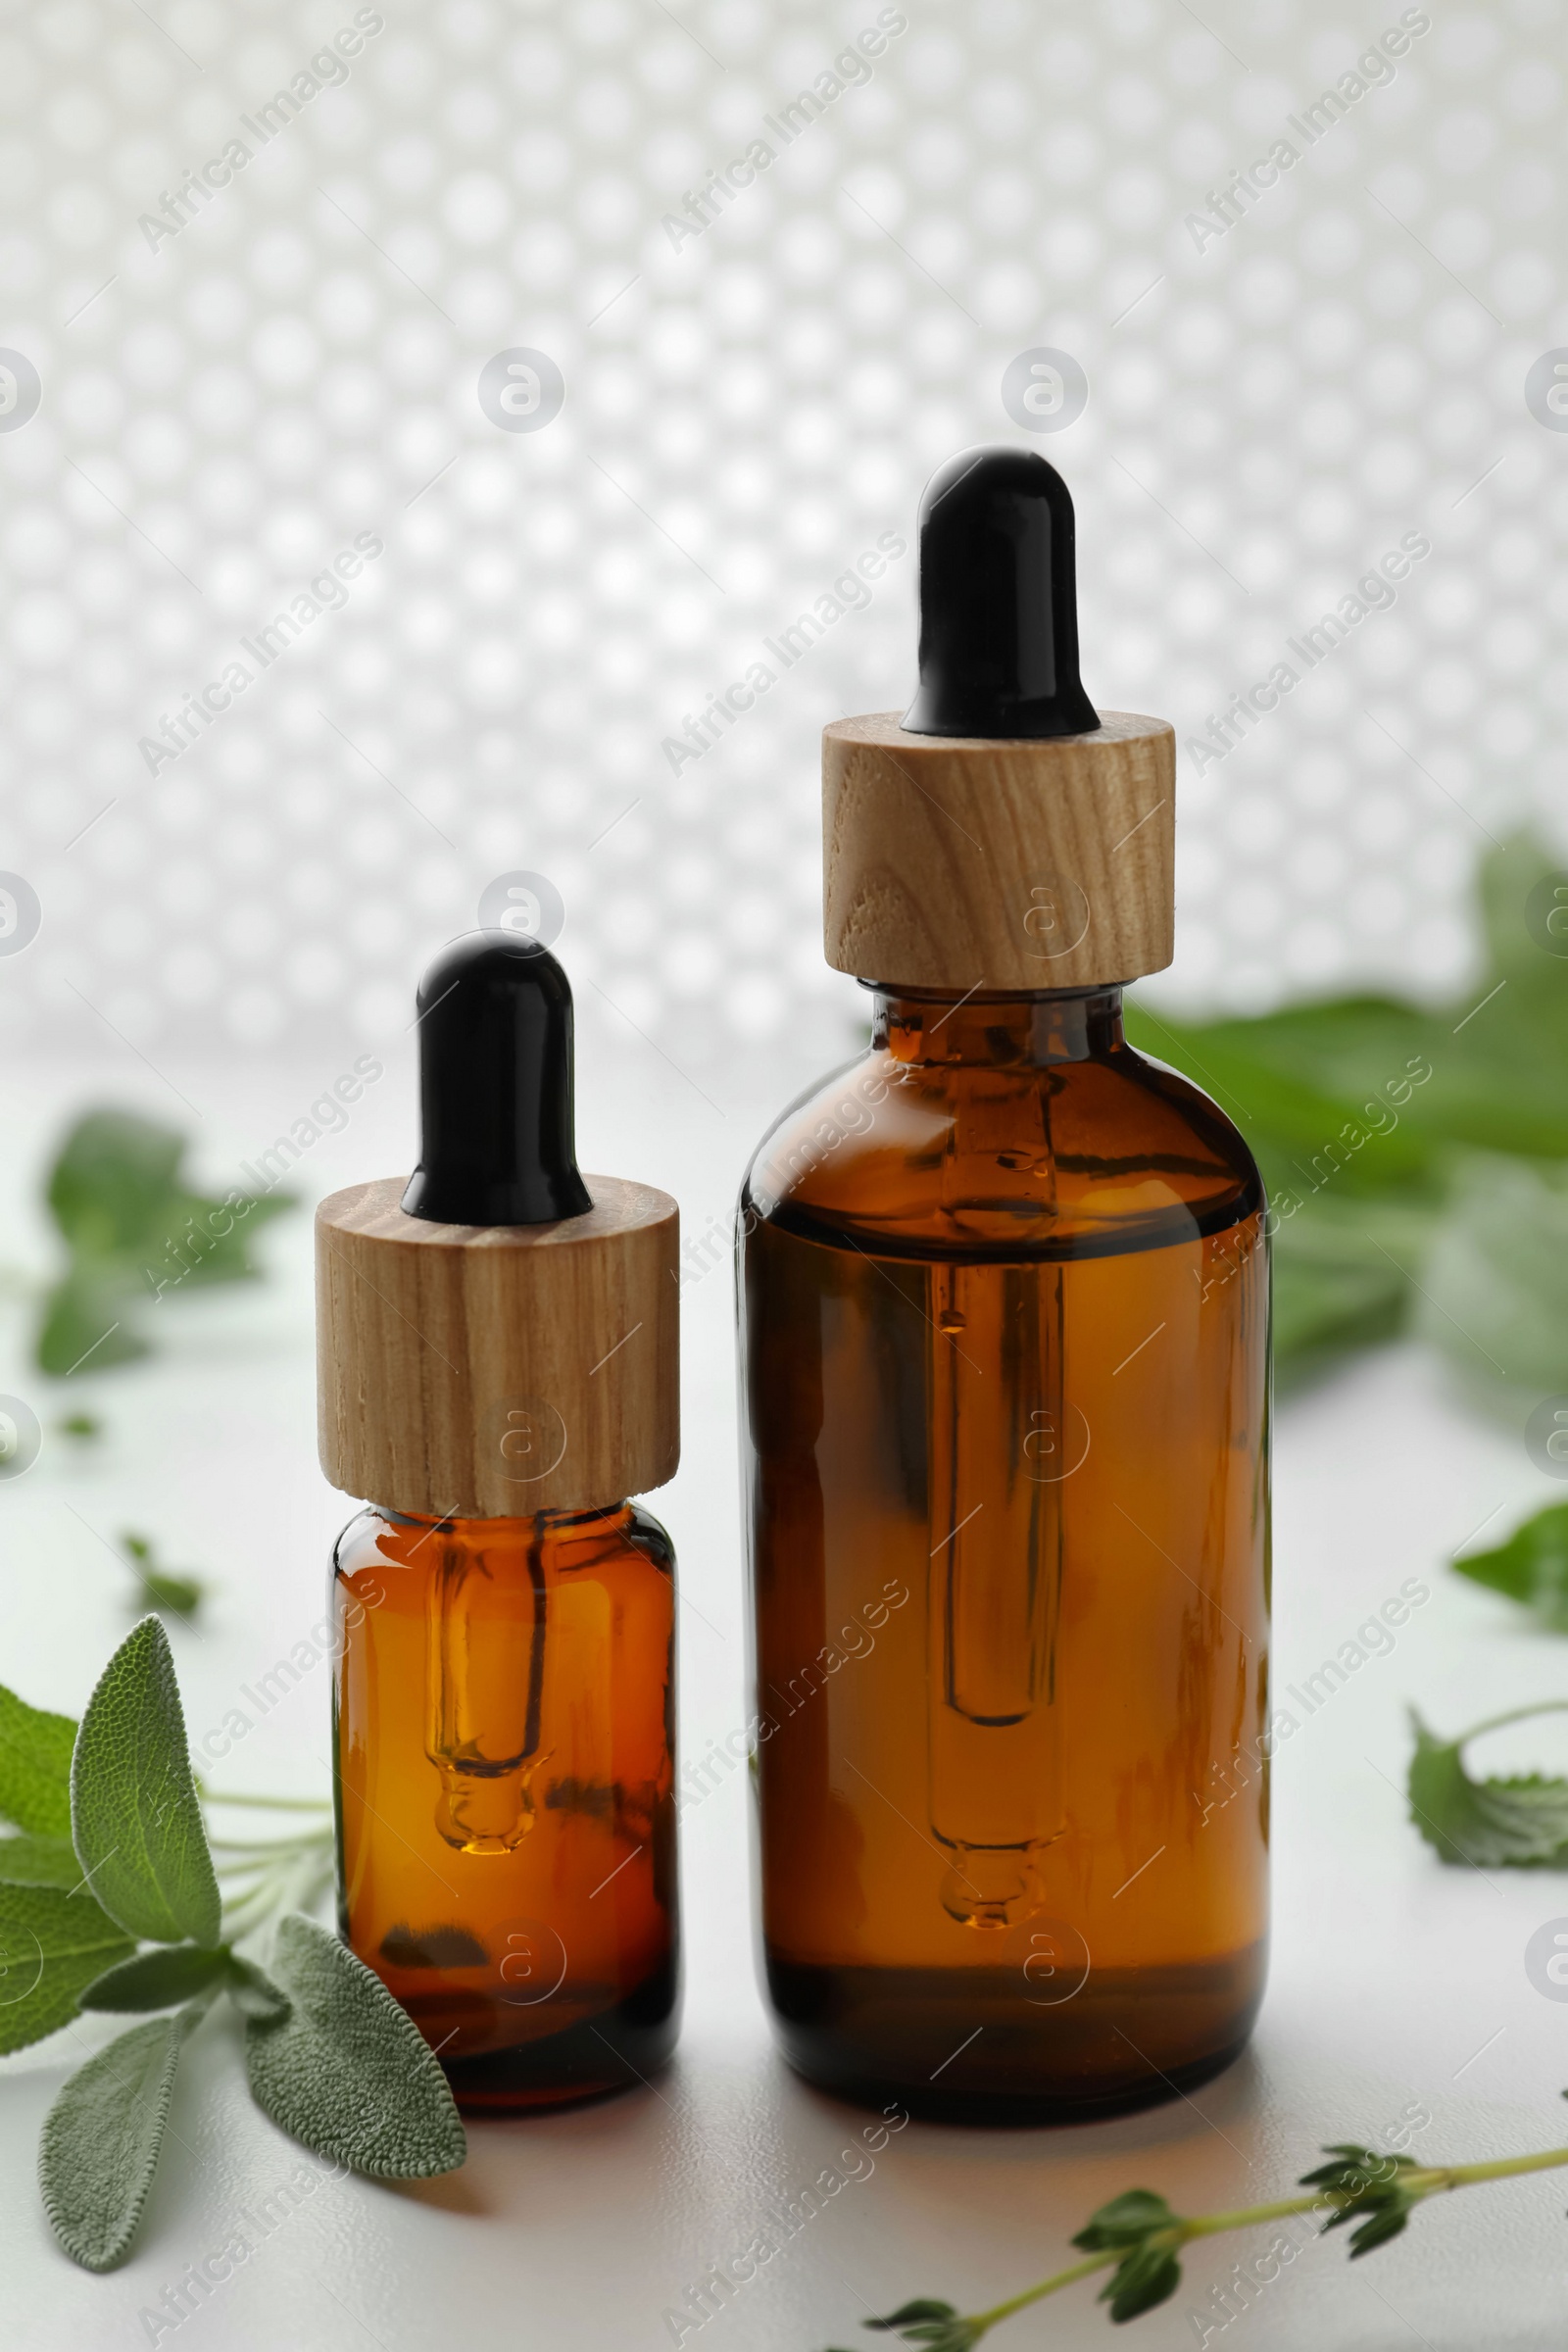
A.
pixel 1136 2236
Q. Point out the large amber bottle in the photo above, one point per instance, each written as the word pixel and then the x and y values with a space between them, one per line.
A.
pixel 498 1370
pixel 1005 1358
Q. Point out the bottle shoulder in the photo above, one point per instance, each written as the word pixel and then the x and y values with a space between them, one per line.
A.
pixel 623 1539
pixel 1064 1158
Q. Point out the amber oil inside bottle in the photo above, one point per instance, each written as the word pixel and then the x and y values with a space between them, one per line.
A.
pixel 503 1714
pixel 1004 1303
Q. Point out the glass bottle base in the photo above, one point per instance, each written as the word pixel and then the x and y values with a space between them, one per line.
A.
pixel 616 2049
pixel 963 2046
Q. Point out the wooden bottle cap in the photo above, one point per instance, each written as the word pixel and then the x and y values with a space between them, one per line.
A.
pixel 960 863
pixel 495 1371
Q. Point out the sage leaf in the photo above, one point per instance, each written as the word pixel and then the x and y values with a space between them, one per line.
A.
pixel 1532 1567
pixel 101 2136
pixel 34 1767
pixel 1522 1820
pixel 39 1862
pixel 52 1946
pixel 347 2071
pixel 253 1992
pixel 135 1818
pixel 159 1979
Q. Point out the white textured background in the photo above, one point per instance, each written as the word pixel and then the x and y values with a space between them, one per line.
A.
pixel 742 418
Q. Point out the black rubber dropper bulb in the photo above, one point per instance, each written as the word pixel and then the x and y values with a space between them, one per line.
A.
pixel 999 601
pixel 497 1144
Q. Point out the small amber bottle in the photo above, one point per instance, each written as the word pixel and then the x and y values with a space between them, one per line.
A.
pixel 498 1367
pixel 1005 1358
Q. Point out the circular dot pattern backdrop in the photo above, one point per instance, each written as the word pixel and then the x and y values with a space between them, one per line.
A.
pixel 456 441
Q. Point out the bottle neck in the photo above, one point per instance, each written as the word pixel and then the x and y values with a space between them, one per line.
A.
pixel 919 1027
pixel 525 1527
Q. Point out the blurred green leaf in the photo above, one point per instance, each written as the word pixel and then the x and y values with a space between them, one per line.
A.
pixel 1531 1567
pixel 35 1766
pixel 136 1233
pixel 28 1861
pixel 1495 1284
pixel 1150 2275
pixel 1369 1119
pixel 168 1590
pixel 1521 1820
pixel 1125 2222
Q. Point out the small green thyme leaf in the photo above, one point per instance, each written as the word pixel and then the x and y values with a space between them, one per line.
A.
pixel 52 1946
pixel 1151 2273
pixel 934 2325
pixel 1531 1567
pixel 135 1818
pixel 347 2071
pixel 101 2136
pixel 35 1766
pixel 1352 2168
pixel 1520 1822
pixel 1125 2222
pixel 923 2308
pixel 1381 2226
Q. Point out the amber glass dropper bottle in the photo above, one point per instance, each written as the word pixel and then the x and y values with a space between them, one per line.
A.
pixel 498 1368
pixel 1004 1357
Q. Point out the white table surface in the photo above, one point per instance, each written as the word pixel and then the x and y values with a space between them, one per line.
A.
pixel 1395 1981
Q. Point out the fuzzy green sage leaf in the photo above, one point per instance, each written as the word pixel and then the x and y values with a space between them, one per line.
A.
pixel 101 2136
pixel 53 1944
pixel 39 1862
pixel 159 1979
pixel 135 1818
pixel 34 1767
pixel 347 2071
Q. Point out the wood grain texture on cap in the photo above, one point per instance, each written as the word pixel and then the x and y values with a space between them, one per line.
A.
pixel 956 863
pixel 496 1371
